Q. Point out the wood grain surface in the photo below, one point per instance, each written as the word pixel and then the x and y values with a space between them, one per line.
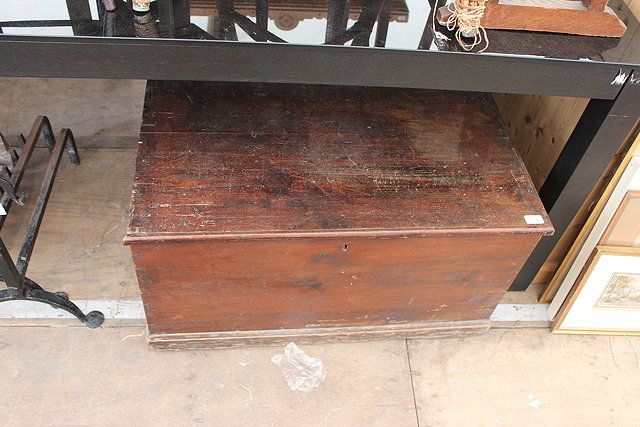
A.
pixel 539 127
pixel 248 159
pixel 569 21
pixel 316 283
pixel 335 334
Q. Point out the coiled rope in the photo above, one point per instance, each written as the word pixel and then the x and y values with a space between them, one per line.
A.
pixel 466 15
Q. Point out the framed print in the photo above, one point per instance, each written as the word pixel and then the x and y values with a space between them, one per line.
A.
pixel 606 299
pixel 629 182
pixel 624 228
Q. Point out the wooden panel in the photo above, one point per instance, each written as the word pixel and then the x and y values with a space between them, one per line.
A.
pixel 598 5
pixel 225 160
pixel 319 283
pixel 570 21
pixel 539 127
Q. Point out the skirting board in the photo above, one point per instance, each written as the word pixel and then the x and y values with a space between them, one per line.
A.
pixel 27 313
pixel 316 335
pixel 118 309
pixel 112 309
pixel 520 313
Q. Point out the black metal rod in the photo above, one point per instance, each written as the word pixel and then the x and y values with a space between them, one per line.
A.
pixel 174 16
pixel 182 13
pixel 227 27
pixel 427 32
pixel 10 274
pixel 6 187
pixel 262 16
pixel 79 13
pixel 64 136
pixel 252 29
pixel 368 16
pixel 19 168
pixel 72 149
pixel 337 18
pixel 383 24
pixel 360 31
pixel 44 23
pixel 47 132
pixel 166 19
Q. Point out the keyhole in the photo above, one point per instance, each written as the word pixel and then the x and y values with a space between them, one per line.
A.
pixel 345 248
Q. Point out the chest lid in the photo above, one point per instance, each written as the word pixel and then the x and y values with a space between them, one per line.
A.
pixel 240 160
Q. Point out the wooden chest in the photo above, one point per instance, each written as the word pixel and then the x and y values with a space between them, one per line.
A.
pixel 266 213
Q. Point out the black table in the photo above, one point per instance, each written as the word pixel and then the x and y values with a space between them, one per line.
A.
pixel 391 43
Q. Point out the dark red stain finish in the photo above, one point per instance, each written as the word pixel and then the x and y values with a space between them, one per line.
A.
pixel 265 206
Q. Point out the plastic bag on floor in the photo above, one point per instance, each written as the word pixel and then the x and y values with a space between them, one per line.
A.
pixel 302 372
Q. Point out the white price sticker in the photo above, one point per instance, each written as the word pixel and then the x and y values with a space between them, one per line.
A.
pixel 534 219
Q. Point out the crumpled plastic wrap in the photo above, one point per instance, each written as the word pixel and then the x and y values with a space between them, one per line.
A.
pixel 302 372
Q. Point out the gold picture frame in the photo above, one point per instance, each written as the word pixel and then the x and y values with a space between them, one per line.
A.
pixel 624 228
pixel 606 298
pixel 568 276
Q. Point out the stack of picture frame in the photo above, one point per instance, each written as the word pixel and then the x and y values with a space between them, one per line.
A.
pixel 599 292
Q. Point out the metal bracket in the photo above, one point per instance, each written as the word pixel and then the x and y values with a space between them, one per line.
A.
pixel 8 189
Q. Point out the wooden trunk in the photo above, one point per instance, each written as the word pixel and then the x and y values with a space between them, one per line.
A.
pixel 265 213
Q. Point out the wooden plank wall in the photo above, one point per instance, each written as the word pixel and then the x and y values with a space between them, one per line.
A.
pixel 539 127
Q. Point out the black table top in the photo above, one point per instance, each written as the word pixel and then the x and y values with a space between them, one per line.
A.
pixel 395 24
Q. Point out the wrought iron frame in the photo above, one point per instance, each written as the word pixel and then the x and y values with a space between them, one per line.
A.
pixel 20 287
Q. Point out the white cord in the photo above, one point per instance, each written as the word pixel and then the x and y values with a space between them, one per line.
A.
pixel 613 353
pixel 467 18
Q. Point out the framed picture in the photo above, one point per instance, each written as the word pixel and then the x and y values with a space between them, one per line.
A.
pixel 606 299
pixel 629 182
pixel 624 228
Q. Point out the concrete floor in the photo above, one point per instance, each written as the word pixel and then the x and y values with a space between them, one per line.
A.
pixel 58 373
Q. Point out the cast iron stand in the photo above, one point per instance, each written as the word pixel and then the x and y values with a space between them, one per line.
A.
pixel 13 274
